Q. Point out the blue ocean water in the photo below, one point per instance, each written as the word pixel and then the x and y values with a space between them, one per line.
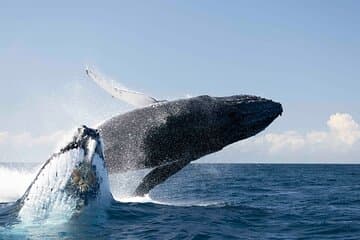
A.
pixel 229 201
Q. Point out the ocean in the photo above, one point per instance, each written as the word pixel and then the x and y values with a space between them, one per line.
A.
pixel 214 201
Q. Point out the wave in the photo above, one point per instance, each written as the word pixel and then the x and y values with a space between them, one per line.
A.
pixel 184 203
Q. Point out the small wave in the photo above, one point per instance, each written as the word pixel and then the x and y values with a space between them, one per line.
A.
pixel 197 204
pixel 140 199
pixel 148 199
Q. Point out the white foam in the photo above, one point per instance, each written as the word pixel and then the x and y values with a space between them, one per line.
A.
pixel 185 203
pixel 144 199
pixel 135 199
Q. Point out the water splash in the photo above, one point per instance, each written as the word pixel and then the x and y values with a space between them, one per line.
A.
pixel 14 181
pixel 124 184
pixel 72 181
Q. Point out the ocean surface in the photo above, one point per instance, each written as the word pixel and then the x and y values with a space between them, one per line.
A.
pixel 213 201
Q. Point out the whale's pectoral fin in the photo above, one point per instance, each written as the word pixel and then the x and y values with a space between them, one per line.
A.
pixel 158 175
pixel 136 99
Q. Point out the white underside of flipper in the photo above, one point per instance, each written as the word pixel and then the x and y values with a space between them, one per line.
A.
pixel 133 98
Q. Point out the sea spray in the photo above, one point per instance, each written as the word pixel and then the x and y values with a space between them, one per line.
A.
pixel 71 181
pixel 14 180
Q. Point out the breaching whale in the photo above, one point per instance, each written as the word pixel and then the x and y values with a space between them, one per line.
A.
pixel 167 135
pixel 70 181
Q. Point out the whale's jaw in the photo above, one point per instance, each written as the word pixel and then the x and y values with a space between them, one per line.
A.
pixel 68 182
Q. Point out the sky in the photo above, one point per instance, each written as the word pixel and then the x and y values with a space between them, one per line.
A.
pixel 304 54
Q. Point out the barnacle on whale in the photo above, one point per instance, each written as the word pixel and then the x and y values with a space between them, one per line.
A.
pixel 83 178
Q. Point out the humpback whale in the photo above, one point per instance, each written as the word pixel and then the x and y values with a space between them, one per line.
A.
pixel 68 182
pixel 167 135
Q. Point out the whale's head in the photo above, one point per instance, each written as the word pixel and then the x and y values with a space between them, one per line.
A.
pixel 69 181
pixel 202 125
pixel 234 118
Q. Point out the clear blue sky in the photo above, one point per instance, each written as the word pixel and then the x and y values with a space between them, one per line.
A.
pixel 305 54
